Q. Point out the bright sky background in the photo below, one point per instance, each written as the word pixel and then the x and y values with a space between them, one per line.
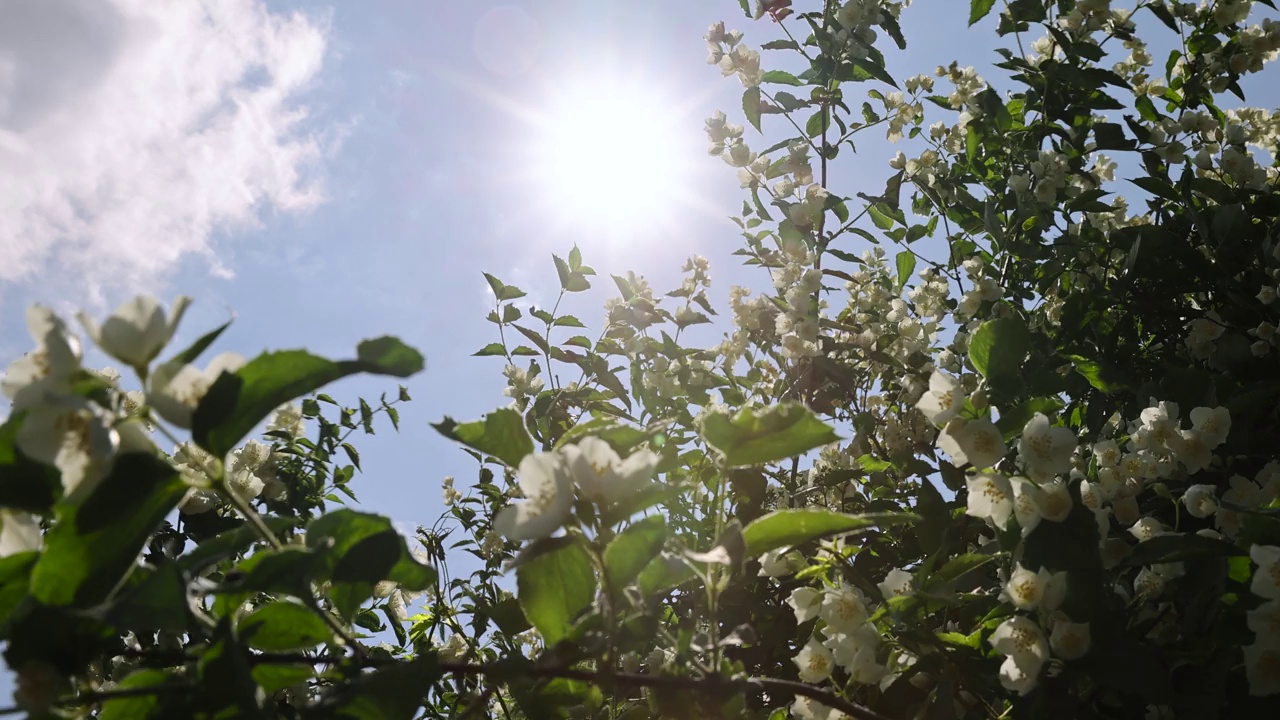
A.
pixel 336 171
pixel 331 172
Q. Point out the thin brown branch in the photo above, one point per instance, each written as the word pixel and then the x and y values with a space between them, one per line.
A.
pixel 774 686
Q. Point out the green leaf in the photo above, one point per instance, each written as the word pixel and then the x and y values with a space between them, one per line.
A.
pixel 237 402
pixel 278 676
pixel 501 434
pixel 978 9
pixel 633 549
pixel 225 677
pixel 280 626
pixel 490 350
pixel 227 544
pixel 154 599
pixel 24 483
pixel 781 77
pixel 1015 418
pixel 622 438
pixel 998 348
pixel 95 541
pixel 365 548
pixel 570 280
pixel 1179 548
pixel 140 707
pixel 394 692
pixel 502 291
pixel 663 573
pixel 874 69
pixel 786 528
pixel 954 569
pixel 289 570
pixel 386 355
pixel 200 345
pixel 906 265
pixel 1158 187
pixel 751 106
pixel 883 220
pixel 567 321
pixel 776 433
pixel 553 588
pixel 1100 374
pixel 507 615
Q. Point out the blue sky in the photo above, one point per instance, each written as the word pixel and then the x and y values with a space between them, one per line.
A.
pixel 417 118
pixel 332 172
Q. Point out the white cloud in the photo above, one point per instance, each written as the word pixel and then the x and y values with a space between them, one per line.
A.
pixel 133 131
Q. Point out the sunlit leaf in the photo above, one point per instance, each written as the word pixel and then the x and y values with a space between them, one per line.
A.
pixel 785 528
pixel 553 588
pixel 501 434
pixel 775 433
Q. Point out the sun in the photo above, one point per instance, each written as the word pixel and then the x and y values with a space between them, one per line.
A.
pixel 610 156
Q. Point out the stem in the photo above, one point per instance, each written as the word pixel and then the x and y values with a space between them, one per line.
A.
pixel 250 515
pixel 335 625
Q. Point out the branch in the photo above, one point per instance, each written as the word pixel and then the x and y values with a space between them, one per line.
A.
pixel 777 686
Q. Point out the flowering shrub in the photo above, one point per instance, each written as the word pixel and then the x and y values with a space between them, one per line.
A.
pixel 999 441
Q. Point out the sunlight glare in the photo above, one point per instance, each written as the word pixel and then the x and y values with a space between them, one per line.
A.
pixel 609 155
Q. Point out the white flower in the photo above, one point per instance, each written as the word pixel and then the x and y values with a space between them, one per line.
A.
pixel 1264 621
pixel 1091 495
pixel 1055 501
pixel 1045 450
pixel 1200 501
pixel 1148 583
pixel 1126 510
pixel 1192 449
pixel 448 492
pixel 814 661
pixel 1025 588
pixel 807 708
pixel 806 602
pixel 1029 590
pixel 1212 424
pixel 1146 528
pixel 137 331
pixel 46 371
pixel 1266 579
pixel 990 498
pixel 1107 453
pixel 896 584
pixel 1070 641
pixel 245 484
pixel 780 563
pixel 977 442
pixel 175 389
pixel 844 608
pixel 1262 668
pixel 548 492
pixel 856 652
pixel 1242 492
pixel 943 400
pixel 288 418
pixel 454 649
pixel 1026 504
pixel 603 477
pixel 19 532
pixel 1023 643
pixel 74 436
